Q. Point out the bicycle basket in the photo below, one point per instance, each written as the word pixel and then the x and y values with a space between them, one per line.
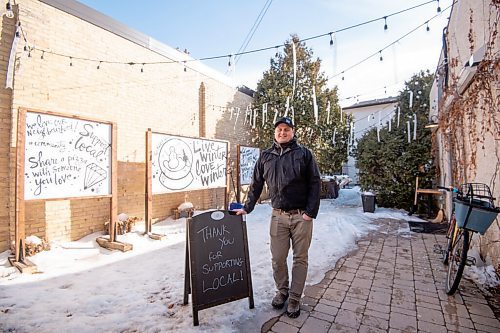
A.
pixel 474 208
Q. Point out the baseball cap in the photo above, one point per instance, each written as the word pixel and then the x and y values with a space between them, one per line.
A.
pixel 284 120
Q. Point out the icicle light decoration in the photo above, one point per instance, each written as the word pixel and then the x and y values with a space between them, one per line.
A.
pixel 236 116
pixel 294 54
pixel 248 115
pixel 315 106
pixel 264 113
pixel 408 130
pixel 414 126
pixel 328 113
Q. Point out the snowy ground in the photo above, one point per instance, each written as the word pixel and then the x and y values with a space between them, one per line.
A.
pixel 82 287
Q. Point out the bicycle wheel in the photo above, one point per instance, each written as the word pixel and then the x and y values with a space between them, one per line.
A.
pixel 457 261
pixel 449 237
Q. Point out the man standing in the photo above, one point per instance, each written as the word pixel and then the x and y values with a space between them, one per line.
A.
pixel 294 183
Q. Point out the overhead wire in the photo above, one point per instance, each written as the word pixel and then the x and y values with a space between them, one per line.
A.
pixel 238 54
pixel 252 31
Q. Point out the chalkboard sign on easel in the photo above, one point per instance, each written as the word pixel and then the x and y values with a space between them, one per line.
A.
pixel 217 261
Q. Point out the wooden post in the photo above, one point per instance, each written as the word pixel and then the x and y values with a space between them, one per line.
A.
pixel 111 243
pixel 113 212
pixel 228 173
pixel 238 180
pixel 416 192
pixel 149 187
pixel 202 111
pixel 18 260
pixel 148 198
pixel 19 229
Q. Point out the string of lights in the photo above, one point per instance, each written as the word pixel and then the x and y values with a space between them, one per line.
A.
pixel 99 62
pixel 131 63
pixel 379 52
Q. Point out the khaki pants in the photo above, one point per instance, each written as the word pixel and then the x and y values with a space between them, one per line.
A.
pixel 285 228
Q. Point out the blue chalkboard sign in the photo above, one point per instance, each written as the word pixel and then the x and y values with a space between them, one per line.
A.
pixel 217 261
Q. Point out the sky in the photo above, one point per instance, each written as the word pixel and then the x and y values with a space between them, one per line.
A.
pixel 221 27
pixel 82 287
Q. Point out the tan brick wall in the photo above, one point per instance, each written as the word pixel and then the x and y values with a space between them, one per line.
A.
pixel 163 97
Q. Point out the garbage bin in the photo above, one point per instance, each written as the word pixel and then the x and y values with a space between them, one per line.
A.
pixel 368 200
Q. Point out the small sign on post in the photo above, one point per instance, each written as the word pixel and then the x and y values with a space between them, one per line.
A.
pixel 217 261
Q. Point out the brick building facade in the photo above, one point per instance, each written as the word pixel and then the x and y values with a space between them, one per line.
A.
pixel 72 60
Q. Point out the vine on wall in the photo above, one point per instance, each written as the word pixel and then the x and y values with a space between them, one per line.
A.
pixel 472 119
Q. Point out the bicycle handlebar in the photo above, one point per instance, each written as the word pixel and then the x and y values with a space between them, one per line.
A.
pixel 449 189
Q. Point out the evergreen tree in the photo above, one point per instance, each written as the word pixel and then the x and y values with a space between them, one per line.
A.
pixel 389 167
pixel 277 85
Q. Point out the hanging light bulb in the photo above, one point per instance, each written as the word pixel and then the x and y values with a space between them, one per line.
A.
pixel 381 58
pixel 277 54
pixel 142 68
pixel 385 22
pixel 331 39
pixel 71 61
pixel 439 8
pixel 99 65
pixel 427 28
pixel 9 13
pixel 342 76
pixel 229 62
pixel 43 53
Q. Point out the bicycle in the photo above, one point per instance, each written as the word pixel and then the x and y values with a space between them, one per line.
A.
pixel 473 211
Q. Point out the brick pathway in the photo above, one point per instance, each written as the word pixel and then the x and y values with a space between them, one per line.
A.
pixel 393 282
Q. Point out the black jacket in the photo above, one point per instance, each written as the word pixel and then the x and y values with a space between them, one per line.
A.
pixel 292 176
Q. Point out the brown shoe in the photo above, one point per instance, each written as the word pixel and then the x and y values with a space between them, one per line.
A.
pixel 293 309
pixel 279 300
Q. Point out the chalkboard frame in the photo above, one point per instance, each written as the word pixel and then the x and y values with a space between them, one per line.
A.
pixel 190 281
pixel 20 201
pixel 239 162
pixel 151 152
pixel 112 156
